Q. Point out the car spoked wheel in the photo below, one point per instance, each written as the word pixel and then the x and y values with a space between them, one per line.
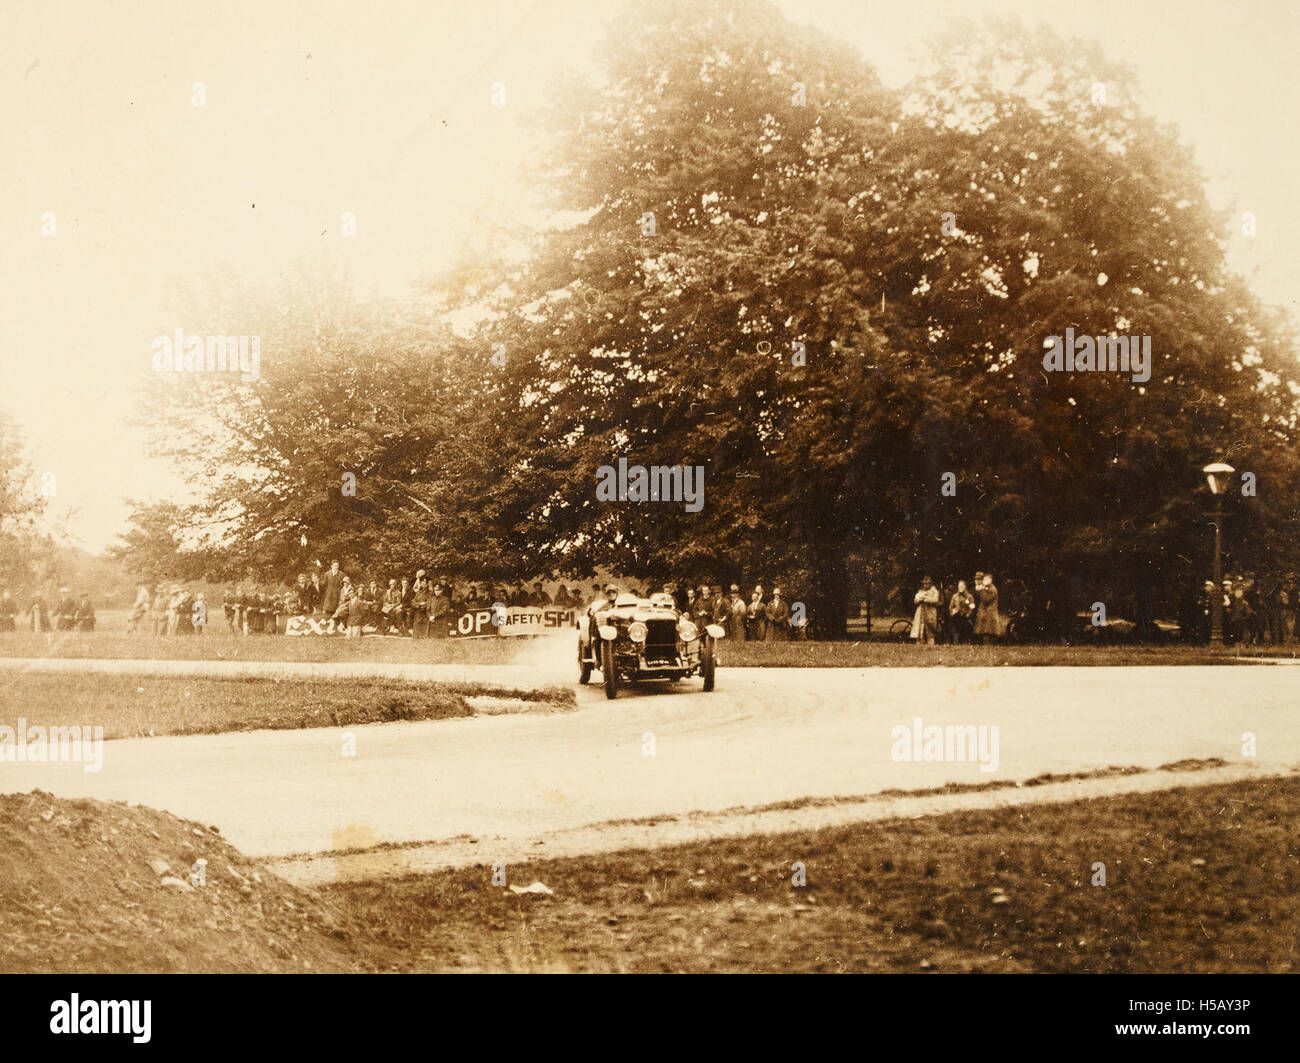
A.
pixel 708 665
pixel 584 666
pixel 608 668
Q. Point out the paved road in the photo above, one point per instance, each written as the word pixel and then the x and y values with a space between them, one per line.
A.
pixel 765 736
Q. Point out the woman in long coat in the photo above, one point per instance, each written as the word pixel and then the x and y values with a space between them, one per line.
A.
pixel 739 612
pixel 987 621
pixel 925 621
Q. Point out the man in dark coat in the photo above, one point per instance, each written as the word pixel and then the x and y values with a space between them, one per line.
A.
pixel 85 614
pixel 66 614
pixel 308 596
pixel 439 612
pixel 988 623
pixel 756 621
pixel 961 610
pixel 316 594
pixel 333 589
pixel 778 618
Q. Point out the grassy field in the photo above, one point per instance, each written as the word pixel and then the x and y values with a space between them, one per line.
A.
pixel 218 644
pixel 134 706
pixel 1197 880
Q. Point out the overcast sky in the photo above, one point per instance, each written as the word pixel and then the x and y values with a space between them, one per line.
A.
pixel 383 109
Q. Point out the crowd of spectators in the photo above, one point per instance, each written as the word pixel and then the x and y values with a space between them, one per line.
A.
pixel 423 606
pixel 956 613
pixel 763 618
pixel 1255 611
pixel 69 613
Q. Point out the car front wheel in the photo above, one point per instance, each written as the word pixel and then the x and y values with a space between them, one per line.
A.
pixel 608 669
pixel 584 665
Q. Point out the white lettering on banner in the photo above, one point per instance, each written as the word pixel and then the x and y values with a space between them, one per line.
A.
pixel 514 620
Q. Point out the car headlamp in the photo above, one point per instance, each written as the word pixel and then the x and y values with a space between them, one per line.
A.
pixel 686 631
pixel 637 631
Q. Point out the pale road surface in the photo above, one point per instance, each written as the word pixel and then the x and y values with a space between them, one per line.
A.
pixel 764 736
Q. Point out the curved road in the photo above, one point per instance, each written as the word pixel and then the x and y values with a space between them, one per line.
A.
pixel 764 736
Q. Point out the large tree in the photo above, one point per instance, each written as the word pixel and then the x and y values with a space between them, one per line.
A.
pixel 921 247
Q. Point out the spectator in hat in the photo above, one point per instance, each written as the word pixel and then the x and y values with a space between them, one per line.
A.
pixel 1239 614
pixel 333 592
pixel 961 613
pixel 703 612
pixel 174 603
pixel 925 620
pixel 739 612
pixel 778 617
pixel 65 616
pixel 420 608
pixel 721 607
pixel 691 609
pixel 988 623
pixel 85 614
pixel 756 620
pixel 439 612
pixel 355 609
pixel 316 593
pixel 391 610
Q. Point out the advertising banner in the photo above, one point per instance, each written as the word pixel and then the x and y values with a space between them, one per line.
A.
pixel 512 620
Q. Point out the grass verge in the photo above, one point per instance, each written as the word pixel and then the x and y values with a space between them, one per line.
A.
pixel 137 706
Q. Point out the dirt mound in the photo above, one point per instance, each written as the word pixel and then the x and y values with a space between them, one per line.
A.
pixel 93 886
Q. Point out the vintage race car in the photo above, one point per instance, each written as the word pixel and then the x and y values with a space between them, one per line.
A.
pixel 644 638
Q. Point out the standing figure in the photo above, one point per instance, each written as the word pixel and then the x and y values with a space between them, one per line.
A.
pixel 139 611
pixel 925 621
pixel 65 614
pixel 778 617
pixel 439 612
pixel 961 611
pixel 987 621
pixel 739 613
pixel 85 614
pixel 756 621
pixel 333 592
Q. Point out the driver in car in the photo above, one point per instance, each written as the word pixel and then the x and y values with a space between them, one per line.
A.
pixel 601 604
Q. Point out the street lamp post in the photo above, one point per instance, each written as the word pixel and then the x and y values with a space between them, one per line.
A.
pixel 1217 475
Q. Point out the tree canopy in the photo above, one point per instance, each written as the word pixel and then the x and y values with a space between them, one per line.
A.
pixel 831 296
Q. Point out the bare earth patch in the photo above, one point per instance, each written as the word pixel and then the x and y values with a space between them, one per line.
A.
pixel 97 887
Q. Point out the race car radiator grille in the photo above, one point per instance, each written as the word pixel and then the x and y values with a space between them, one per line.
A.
pixel 661 640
